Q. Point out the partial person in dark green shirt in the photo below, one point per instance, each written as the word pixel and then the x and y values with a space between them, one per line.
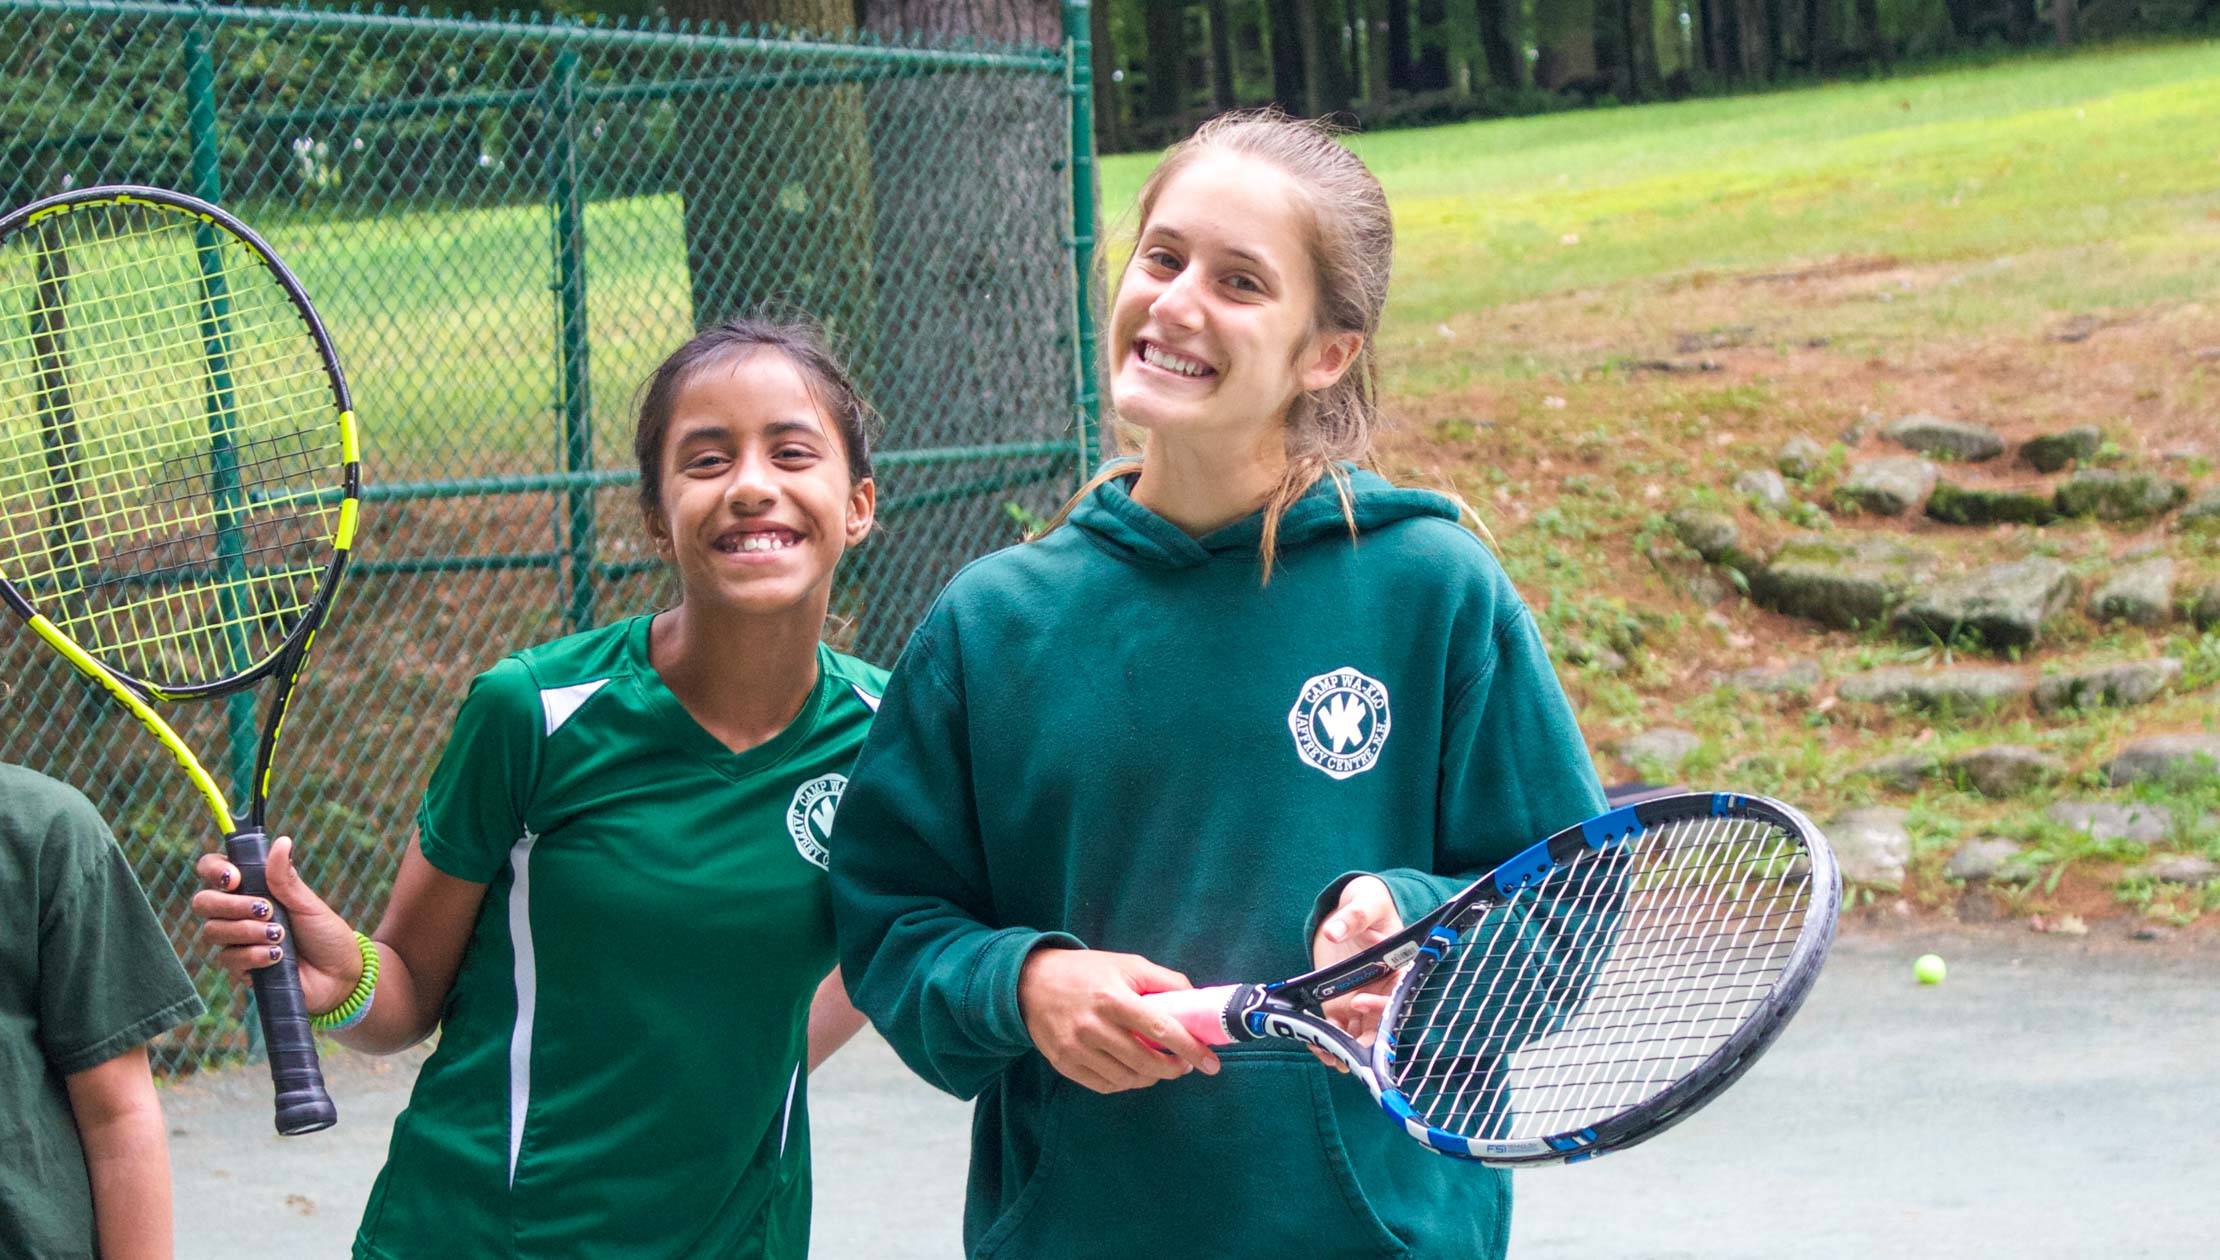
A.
pixel 87 978
pixel 615 908
pixel 1245 709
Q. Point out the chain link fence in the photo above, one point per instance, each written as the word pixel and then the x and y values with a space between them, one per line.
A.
pixel 506 225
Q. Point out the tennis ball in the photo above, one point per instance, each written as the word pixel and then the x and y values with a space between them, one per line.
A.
pixel 1929 969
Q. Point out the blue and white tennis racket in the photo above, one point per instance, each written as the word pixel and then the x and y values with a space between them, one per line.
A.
pixel 1582 997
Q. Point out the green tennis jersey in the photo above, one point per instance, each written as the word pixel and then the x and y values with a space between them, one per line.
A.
pixel 621 1066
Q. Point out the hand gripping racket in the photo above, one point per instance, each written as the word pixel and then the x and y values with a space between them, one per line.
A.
pixel 1585 995
pixel 177 492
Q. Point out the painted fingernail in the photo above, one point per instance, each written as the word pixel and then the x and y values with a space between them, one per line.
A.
pixel 274 932
pixel 261 909
pixel 276 953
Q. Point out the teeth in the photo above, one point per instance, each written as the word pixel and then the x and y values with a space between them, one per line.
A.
pixel 1157 356
pixel 764 542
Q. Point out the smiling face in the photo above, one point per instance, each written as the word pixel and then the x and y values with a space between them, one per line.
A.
pixel 757 500
pixel 1214 330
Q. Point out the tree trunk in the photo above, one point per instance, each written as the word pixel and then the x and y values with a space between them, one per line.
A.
pixel 973 279
pixel 1399 45
pixel 1640 17
pixel 1565 40
pixel 1109 101
pixel 1223 92
pixel 1337 87
pixel 1165 26
pixel 1873 43
pixel 795 169
pixel 2062 15
pixel 1376 63
pixel 1430 72
pixel 1755 19
pixel 1820 36
pixel 1499 43
pixel 1290 89
pixel 1612 53
pixel 2019 21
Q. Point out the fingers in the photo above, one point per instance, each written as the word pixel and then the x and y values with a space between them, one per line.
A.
pixel 1366 906
pixel 213 906
pixel 1166 1039
pixel 216 871
pixel 1149 977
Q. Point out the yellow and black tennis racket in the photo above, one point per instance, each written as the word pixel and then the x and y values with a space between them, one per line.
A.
pixel 177 491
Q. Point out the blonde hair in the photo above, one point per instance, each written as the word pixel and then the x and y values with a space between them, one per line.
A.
pixel 1352 249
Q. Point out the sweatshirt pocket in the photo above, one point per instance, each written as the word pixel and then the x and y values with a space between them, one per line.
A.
pixel 1249 1162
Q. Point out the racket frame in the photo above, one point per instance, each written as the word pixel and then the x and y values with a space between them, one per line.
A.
pixel 303 1104
pixel 1289 1009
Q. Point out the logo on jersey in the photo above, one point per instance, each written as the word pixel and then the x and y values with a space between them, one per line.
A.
pixel 810 818
pixel 1340 722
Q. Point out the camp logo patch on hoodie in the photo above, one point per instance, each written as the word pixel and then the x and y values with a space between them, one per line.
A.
pixel 1340 722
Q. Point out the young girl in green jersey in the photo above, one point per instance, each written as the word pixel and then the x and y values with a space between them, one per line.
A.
pixel 1245 709
pixel 615 910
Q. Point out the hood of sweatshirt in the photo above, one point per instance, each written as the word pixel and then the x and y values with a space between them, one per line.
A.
pixel 1111 519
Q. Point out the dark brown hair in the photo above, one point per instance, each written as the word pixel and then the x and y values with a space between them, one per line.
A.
pixel 801 343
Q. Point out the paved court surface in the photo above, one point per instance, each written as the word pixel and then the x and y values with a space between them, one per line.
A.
pixel 2056 1098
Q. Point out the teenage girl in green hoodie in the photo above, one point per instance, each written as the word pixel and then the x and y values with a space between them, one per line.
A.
pixel 1244 710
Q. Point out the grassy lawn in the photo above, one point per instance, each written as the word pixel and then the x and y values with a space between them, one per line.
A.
pixel 1601 317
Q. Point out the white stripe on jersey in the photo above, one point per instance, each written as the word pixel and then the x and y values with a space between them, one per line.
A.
pixel 527 990
pixel 870 701
pixel 560 702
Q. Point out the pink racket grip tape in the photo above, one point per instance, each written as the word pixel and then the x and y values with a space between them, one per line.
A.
pixel 1202 1012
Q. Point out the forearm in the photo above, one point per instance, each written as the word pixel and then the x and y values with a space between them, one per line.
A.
pixel 833 1019
pixel 127 1157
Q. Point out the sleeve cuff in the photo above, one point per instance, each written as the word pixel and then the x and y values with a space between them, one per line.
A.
pixel 993 999
pixel 1416 895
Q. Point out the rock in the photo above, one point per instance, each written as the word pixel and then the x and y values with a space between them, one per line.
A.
pixel 2203 513
pixel 1889 487
pixel 1956 505
pixel 1841 583
pixel 2005 769
pixel 2206 611
pixel 2005 605
pixel 1764 487
pixel 1968 689
pixel 1905 772
pixel 2141 593
pixel 1660 749
pixel 1712 535
pixel 2182 869
pixel 2054 451
pixel 1990 857
pixel 2151 932
pixel 1799 457
pixel 1797 677
pixel 1872 846
pixel 1707 588
pixel 2118 686
pixel 2103 820
pixel 2179 760
pixel 1582 652
pixel 2117 496
pixel 1945 439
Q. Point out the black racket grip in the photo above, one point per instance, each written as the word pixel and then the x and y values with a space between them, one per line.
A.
pixel 303 1105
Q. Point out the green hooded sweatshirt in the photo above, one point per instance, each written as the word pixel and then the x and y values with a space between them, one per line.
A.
pixel 1118 738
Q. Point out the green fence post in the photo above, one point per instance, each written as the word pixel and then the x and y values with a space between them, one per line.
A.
pixel 207 177
pixel 1079 83
pixel 576 398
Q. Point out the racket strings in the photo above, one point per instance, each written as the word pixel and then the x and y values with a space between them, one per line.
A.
pixel 170 453
pixel 1599 988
